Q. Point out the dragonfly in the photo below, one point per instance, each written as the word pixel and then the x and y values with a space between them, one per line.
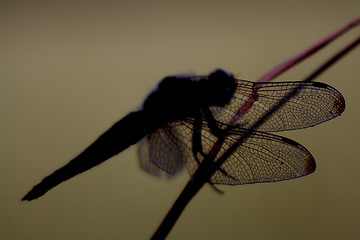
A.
pixel 182 120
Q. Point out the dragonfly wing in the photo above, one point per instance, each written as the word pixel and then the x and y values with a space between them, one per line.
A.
pixel 313 104
pixel 143 150
pixel 162 150
pixel 262 157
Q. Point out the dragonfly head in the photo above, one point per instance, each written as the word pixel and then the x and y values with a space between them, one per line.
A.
pixel 220 87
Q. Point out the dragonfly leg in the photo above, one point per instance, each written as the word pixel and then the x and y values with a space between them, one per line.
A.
pixel 197 146
pixel 196 138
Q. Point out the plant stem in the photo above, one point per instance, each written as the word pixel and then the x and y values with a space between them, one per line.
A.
pixel 206 169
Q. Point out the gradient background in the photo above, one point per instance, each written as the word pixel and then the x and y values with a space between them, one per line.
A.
pixel 68 71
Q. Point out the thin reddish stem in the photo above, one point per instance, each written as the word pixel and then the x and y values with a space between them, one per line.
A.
pixel 205 170
pixel 281 68
pixel 284 66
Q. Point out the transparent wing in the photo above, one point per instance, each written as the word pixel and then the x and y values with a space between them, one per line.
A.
pixel 315 103
pixel 163 152
pixel 262 157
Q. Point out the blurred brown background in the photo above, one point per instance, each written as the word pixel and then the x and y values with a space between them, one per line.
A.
pixel 69 70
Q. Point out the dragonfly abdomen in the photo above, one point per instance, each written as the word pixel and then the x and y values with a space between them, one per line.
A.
pixel 126 132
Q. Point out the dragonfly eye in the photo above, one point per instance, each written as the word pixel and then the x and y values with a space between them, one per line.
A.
pixel 220 74
pixel 221 87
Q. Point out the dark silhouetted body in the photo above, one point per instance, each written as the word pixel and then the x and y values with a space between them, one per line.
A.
pixel 183 117
pixel 175 98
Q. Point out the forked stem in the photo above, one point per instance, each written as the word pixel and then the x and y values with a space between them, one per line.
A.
pixel 205 170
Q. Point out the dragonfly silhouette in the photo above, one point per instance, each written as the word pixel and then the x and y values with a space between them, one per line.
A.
pixel 182 119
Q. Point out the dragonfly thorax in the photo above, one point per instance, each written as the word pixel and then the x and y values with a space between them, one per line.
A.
pixel 179 97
